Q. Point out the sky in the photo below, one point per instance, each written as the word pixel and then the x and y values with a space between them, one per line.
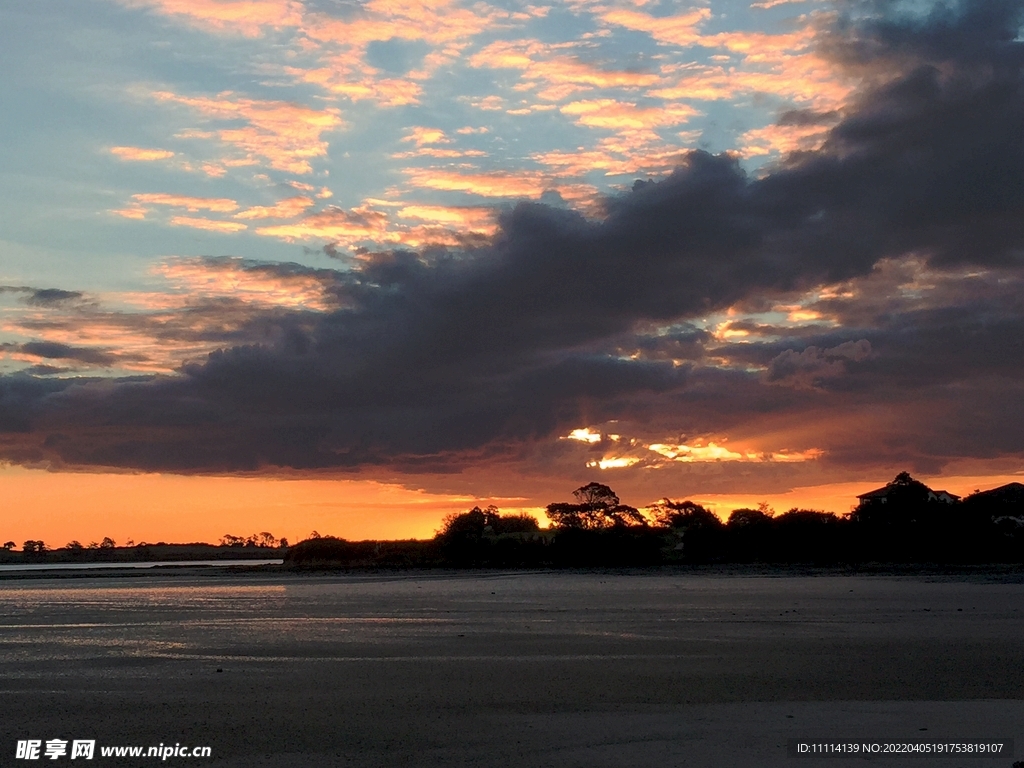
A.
pixel 349 266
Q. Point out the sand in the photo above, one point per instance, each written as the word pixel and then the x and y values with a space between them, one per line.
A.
pixel 512 669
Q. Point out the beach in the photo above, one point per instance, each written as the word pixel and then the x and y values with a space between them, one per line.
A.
pixel 697 668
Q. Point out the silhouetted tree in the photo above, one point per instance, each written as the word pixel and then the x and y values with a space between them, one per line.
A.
pixel 694 532
pixel 597 507
pixel 74 546
pixel 749 534
pixel 745 517
pixel 326 549
pixel 684 514
pixel 107 543
pixel 517 523
pixel 9 545
pixel 484 536
pixel 473 523
pixel 34 547
pixel 266 539
pixel 806 535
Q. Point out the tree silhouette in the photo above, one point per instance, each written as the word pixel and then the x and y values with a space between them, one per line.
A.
pixel 741 518
pixel 684 514
pixel 474 523
pixel 597 507
pixel 266 539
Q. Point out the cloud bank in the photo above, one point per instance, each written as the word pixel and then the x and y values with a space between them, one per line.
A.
pixel 858 302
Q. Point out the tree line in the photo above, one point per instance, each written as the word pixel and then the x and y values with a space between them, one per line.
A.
pixel 107 549
pixel 907 523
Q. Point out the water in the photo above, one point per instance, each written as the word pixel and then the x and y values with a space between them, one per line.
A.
pixel 509 669
pixel 156 564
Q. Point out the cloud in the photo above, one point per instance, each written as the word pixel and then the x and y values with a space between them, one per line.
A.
pixel 217 204
pixel 781 139
pixel 619 115
pixel 557 74
pixel 360 86
pixel 365 227
pixel 210 225
pixel 43 297
pixel 466 217
pixel 252 283
pixel 48 350
pixel 205 303
pixel 283 209
pixel 245 17
pixel 285 136
pixel 138 153
pixel 135 212
pixel 810 366
pixel 682 30
pixel 335 224
pixel 485 184
pixel 877 278
pixel 422 136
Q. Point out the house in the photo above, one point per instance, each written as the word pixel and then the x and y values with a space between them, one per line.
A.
pixel 1011 493
pixel 1003 505
pixel 906 488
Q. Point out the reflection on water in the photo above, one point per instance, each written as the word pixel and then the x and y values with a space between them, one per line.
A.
pixel 156 564
pixel 119 625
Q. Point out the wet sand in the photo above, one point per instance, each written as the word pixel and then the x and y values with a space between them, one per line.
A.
pixel 513 669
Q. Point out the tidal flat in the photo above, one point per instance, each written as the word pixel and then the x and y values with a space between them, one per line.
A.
pixel 562 669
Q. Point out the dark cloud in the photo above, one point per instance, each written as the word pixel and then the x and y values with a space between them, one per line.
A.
pixel 433 362
pixel 808 117
pixel 813 364
pixel 45 370
pixel 43 297
pixel 54 351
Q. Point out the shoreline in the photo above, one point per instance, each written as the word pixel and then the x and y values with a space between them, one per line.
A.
pixel 1009 573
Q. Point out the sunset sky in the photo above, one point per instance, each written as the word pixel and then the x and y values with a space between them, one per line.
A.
pixel 349 266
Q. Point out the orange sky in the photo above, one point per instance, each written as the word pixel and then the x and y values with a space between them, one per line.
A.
pixel 60 507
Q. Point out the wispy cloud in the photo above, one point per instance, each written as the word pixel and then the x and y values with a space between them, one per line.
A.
pixel 218 204
pixel 555 74
pixel 244 17
pixel 283 209
pixel 485 184
pixel 210 225
pixel 283 135
pixel 335 225
pixel 138 153
pixel 682 30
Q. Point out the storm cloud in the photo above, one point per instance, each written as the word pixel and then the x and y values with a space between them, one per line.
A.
pixel 435 361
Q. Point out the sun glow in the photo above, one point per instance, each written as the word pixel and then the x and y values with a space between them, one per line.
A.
pixel 584 435
pixel 712 451
pixel 614 462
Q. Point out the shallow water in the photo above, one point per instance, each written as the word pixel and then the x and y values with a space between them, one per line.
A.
pixel 106 566
pixel 570 668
